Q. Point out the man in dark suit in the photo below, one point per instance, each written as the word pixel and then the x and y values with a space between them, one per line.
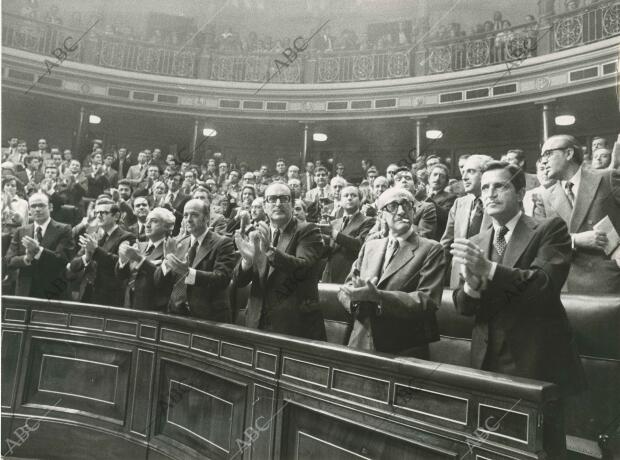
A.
pixel 141 210
pixel 175 199
pixel 436 193
pixel 96 260
pixel 138 263
pixel 395 285
pixel 517 158
pixel 425 214
pixel 512 275
pixel 200 268
pixel 346 237
pixel 466 216
pixel 582 198
pixel 282 260
pixel 40 252
pixel 122 164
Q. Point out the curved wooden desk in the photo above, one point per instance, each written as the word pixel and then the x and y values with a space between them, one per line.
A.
pixel 99 382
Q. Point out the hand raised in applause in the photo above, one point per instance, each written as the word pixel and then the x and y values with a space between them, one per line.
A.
pixel 32 247
pixel 476 266
pixel 89 243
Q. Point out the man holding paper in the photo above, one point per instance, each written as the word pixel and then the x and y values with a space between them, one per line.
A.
pixel 589 202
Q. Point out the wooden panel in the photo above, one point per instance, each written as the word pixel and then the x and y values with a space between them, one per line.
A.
pixel 266 362
pixel 361 385
pixel 206 345
pixel 431 403
pixel 11 355
pixel 85 377
pixel 174 337
pixel 509 423
pixel 48 318
pixel 86 322
pixel 201 411
pixel 128 328
pixel 237 353
pixel 15 315
pixel 148 332
pixel 310 434
pixel 263 407
pixel 305 371
pixel 142 392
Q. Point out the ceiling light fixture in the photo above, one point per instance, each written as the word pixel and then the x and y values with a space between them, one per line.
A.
pixel 209 132
pixel 434 134
pixel 565 119
pixel 94 119
pixel 319 137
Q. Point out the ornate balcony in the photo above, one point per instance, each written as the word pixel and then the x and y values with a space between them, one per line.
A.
pixel 592 23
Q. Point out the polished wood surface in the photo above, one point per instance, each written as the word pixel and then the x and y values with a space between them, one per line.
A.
pixel 103 382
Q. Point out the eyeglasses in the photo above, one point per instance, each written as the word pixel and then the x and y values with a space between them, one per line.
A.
pixel 394 205
pixel 548 153
pixel 274 198
pixel 102 213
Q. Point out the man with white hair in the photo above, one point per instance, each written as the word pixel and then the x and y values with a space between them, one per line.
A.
pixel 466 217
pixel 395 285
pixel 138 263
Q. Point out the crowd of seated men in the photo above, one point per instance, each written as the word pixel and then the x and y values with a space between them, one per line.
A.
pixel 149 232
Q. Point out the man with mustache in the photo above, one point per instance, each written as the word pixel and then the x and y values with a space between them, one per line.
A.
pixel 395 285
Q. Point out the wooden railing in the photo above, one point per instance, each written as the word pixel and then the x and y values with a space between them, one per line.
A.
pixel 88 381
pixel 592 23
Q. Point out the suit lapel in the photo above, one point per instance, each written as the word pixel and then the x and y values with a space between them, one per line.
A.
pixel 112 239
pixel 484 240
pixel 285 240
pixel 520 239
pixel 461 218
pixel 402 256
pixel 559 202
pixel 585 196
pixel 204 248
pixel 373 258
pixel 50 234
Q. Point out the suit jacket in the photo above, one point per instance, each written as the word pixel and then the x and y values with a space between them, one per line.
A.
pixel 346 248
pixel 134 229
pixel 531 181
pixel 99 283
pixel 122 169
pixel 307 182
pixel 142 291
pixel 284 296
pixel 43 278
pixel 136 173
pixel 176 207
pixel 208 298
pixel 598 196
pixel 521 327
pixel 443 203
pixel 96 185
pixel 456 227
pixel 112 176
pixel 411 286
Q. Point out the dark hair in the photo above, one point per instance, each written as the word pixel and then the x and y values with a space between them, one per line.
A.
pixel 280 160
pixel 517 176
pixel 125 182
pixel 105 199
pixel 320 168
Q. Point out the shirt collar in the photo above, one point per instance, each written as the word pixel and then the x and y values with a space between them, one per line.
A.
pixel 201 238
pixel 575 180
pixel 402 238
pixel 155 244
pixel 510 225
pixel 111 230
pixel 43 226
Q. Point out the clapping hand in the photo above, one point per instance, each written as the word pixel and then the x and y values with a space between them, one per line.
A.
pixel 362 290
pixel 248 246
pixel 89 243
pixel 32 247
pixel 476 266
pixel 177 265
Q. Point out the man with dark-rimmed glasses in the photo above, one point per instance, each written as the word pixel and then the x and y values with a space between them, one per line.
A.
pixel 282 259
pixel 395 285
pixel 583 197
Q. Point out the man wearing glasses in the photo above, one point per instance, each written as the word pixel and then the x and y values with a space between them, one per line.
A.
pixel 395 285
pixel 96 260
pixel 582 198
pixel 282 260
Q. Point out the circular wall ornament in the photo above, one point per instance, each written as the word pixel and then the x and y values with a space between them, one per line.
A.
pixel 542 83
pixel 85 88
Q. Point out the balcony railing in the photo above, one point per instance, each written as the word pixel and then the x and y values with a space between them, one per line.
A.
pixel 586 25
pixel 589 24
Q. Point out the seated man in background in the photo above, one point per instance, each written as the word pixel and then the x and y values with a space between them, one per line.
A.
pixel 282 261
pixel 199 267
pixel 589 202
pixel 512 275
pixel 40 252
pixel 96 260
pixel 435 193
pixel 138 263
pixel 395 285
pixel 346 236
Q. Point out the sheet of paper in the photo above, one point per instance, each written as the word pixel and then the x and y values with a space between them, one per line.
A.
pixel 606 226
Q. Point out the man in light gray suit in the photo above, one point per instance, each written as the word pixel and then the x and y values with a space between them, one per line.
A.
pixel 582 197
pixel 467 216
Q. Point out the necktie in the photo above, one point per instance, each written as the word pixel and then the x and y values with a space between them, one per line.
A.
pixel 276 238
pixel 345 222
pixel 39 235
pixel 475 218
pixel 391 249
pixel 500 242
pixel 569 193
pixel 141 233
pixel 103 239
pixel 322 194
pixel 149 249
pixel 191 255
